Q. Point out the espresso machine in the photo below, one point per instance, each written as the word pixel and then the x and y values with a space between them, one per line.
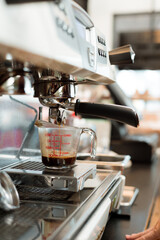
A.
pixel 52 47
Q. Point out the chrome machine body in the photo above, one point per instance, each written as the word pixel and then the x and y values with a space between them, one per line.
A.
pixel 54 46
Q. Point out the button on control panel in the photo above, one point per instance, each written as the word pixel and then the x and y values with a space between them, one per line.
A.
pixel 102 53
pixel 101 40
pixel 63 21
pixel 91 57
pixel 66 28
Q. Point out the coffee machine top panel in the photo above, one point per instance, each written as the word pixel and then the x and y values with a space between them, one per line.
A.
pixel 59 35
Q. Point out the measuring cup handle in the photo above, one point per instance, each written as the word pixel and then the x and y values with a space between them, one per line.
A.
pixel 93 140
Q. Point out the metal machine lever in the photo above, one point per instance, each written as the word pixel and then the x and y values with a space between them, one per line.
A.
pixel 110 111
pixel 122 55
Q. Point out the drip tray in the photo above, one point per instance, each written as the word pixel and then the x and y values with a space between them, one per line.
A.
pixel 33 173
pixel 46 213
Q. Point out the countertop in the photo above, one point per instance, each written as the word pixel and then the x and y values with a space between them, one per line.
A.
pixel 145 177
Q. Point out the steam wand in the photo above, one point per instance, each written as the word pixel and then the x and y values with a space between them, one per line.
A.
pixel 30 126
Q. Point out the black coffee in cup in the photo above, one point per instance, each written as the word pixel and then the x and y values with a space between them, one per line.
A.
pixel 58 161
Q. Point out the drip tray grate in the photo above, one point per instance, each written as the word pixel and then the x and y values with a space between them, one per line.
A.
pixel 42 194
pixel 30 165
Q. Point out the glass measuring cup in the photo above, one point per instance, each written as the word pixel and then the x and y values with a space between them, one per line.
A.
pixel 59 144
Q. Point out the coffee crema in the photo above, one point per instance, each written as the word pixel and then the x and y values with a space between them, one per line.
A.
pixel 58 162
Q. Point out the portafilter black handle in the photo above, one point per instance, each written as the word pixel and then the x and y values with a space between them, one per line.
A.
pixel 110 111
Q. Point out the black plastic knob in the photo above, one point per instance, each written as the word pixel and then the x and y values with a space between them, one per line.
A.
pixel 122 55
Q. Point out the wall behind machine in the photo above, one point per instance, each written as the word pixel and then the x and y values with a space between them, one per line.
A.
pixel 102 12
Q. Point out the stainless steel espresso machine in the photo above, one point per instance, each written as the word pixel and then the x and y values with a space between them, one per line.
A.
pixel 53 46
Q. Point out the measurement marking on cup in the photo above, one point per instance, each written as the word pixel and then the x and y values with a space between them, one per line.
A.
pixel 55 143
